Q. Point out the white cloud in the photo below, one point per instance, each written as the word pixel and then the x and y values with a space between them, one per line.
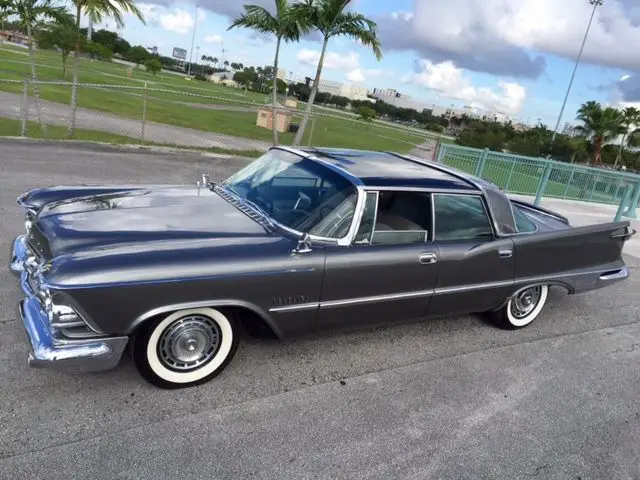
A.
pixel 216 38
pixel 625 77
pixel 173 20
pixel 358 75
pixel 499 36
pixel 332 60
pixel 449 81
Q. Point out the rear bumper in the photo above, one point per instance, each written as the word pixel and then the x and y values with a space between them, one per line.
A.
pixel 48 351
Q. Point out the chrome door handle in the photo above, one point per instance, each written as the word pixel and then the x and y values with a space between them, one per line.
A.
pixel 505 253
pixel 427 258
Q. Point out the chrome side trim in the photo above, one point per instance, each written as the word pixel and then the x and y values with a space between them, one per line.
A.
pixel 295 308
pixel 474 286
pixel 375 298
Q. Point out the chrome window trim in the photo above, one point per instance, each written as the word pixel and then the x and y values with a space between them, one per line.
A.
pixel 483 201
pixel 367 192
pixel 401 188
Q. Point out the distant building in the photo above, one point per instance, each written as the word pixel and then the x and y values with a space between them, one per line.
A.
pixel 397 99
pixel 14 37
pixel 570 130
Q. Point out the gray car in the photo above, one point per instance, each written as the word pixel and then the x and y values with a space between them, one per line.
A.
pixel 298 241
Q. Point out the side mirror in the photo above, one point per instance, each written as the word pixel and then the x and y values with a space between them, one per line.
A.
pixel 304 244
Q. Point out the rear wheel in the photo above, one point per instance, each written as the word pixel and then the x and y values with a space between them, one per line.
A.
pixel 185 348
pixel 523 308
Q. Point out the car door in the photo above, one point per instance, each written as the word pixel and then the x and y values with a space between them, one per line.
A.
pixel 387 276
pixel 475 269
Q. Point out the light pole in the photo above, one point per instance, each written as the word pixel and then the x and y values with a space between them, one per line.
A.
pixel 193 37
pixel 596 4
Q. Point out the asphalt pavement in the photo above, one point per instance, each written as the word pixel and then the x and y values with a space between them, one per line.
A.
pixel 451 398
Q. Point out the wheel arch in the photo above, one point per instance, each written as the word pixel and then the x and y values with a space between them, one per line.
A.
pixel 550 283
pixel 249 315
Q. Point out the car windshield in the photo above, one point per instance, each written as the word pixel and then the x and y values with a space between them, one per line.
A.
pixel 298 193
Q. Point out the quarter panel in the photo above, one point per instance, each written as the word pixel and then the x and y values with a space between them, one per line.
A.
pixel 567 250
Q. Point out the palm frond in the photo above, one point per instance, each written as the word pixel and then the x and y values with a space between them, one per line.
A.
pixel 358 27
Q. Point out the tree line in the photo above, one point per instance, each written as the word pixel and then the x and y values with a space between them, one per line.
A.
pixel 603 135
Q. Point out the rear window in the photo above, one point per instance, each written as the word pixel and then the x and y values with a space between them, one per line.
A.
pixel 523 224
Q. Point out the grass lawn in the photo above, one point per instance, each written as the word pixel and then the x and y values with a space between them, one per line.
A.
pixel 340 130
pixel 11 128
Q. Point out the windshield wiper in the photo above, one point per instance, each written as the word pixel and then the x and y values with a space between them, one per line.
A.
pixel 242 203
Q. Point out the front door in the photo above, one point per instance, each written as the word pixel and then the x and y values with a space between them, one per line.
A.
pixel 390 272
pixel 476 269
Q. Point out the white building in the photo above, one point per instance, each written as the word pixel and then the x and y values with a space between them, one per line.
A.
pixel 397 99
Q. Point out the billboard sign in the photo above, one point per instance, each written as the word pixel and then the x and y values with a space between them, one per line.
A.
pixel 180 53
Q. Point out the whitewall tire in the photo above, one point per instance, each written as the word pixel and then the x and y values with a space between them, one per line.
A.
pixel 523 308
pixel 185 348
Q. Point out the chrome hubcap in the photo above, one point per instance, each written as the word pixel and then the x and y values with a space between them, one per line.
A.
pixel 189 343
pixel 525 302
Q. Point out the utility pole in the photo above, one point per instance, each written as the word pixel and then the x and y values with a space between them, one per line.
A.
pixel 596 4
pixel 193 37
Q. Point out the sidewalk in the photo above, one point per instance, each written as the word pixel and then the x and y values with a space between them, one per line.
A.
pixel 581 214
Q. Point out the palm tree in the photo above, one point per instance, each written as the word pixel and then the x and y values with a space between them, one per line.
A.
pixel 630 121
pixel 284 25
pixel 215 61
pixel 330 19
pixel 96 10
pixel 600 124
pixel 31 15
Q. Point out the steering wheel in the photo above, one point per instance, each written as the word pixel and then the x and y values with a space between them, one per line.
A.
pixel 263 203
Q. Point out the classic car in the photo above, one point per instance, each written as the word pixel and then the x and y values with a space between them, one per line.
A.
pixel 298 241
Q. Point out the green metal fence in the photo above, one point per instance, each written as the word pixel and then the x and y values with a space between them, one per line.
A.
pixel 539 177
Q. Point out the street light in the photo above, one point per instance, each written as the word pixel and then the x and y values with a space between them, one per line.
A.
pixel 193 37
pixel 596 4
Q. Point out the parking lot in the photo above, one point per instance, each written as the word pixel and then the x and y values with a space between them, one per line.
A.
pixel 447 398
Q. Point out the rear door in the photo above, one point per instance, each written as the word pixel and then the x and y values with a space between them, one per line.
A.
pixel 475 269
pixel 562 251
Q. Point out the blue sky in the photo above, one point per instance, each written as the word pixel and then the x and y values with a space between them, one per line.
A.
pixel 514 56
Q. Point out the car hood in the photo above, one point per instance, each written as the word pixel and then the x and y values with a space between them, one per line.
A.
pixel 139 215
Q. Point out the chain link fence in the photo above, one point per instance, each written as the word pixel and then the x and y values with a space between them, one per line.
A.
pixel 149 114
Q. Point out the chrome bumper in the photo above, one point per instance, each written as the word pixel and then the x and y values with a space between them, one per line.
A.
pixel 47 351
pixel 18 255
pixel 47 348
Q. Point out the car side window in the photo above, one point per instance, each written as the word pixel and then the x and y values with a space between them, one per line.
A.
pixel 395 218
pixel 460 217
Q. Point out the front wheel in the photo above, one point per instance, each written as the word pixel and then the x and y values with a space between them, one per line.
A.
pixel 523 308
pixel 185 348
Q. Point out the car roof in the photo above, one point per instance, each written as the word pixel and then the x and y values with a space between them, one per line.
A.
pixel 388 169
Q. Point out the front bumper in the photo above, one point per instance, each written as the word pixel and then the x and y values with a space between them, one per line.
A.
pixel 18 255
pixel 47 348
pixel 47 351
